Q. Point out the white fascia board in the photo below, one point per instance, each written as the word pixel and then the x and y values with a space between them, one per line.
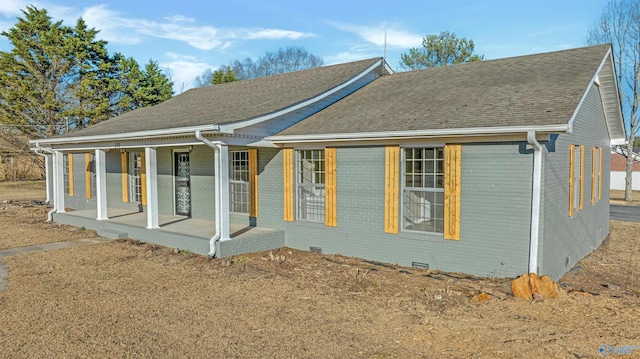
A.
pixel 229 128
pixel 360 136
pixel 127 135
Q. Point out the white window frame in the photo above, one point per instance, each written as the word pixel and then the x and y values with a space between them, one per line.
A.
pixel 310 185
pixel 239 199
pixel 135 177
pixel 437 189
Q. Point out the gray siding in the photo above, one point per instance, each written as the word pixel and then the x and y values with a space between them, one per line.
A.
pixel 566 240
pixel 495 212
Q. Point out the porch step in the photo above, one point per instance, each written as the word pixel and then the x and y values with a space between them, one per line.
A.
pixel 113 234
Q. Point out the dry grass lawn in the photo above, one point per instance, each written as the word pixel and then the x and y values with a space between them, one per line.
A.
pixel 131 300
pixel 23 217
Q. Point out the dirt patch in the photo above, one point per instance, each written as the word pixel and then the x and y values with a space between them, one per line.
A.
pixel 23 217
pixel 617 197
pixel 129 299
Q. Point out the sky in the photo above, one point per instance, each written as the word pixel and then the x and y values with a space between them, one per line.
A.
pixel 188 37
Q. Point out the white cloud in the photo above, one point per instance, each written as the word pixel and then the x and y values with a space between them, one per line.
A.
pixel 12 7
pixel 122 30
pixel 396 37
pixel 183 70
pixel 275 34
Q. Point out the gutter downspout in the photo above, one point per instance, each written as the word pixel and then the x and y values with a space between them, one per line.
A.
pixel 216 158
pixel 46 171
pixel 535 200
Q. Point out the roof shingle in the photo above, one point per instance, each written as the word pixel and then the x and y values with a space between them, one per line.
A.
pixel 230 102
pixel 533 90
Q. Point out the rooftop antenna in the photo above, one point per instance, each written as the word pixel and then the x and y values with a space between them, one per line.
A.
pixel 385 46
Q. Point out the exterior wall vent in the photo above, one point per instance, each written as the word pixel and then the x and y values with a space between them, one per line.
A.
pixel 315 249
pixel 420 265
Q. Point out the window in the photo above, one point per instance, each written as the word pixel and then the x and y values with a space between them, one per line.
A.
pixel 576 178
pixel 135 177
pixel 65 165
pixel 423 190
pixel 310 181
pixel 239 182
pixel 92 170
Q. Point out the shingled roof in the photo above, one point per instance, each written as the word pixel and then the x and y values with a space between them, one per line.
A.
pixel 535 90
pixel 230 102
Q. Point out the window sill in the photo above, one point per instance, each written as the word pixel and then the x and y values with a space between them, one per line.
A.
pixel 309 224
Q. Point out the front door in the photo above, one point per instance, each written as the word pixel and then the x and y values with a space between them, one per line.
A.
pixel 182 177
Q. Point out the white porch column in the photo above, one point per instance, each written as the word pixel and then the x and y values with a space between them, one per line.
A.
pixel 221 163
pixel 58 181
pixel 152 187
pixel 48 177
pixel 222 177
pixel 101 185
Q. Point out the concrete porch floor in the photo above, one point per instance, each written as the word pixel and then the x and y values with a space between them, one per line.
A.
pixel 175 231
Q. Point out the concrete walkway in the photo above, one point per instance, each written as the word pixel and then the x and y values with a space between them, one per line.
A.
pixel 4 269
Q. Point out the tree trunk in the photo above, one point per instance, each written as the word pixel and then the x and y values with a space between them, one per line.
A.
pixel 628 182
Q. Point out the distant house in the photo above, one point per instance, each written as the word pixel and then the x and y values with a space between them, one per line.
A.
pixel 619 172
pixel 494 168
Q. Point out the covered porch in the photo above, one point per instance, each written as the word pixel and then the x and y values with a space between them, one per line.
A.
pixel 180 232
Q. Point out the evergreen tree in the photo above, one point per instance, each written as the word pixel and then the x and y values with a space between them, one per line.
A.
pixel 440 50
pixel 58 78
pixel 223 75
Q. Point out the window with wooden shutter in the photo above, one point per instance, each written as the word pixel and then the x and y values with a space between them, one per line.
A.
pixel 88 175
pixel 599 173
pixel 124 177
pixel 330 203
pixel 581 194
pixel 287 166
pixel 391 188
pixel 253 182
pixel 452 177
pixel 143 178
pixel 69 187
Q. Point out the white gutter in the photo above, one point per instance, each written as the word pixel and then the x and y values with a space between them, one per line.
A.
pixel 535 201
pixel 128 135
pixel 46 166
pixel 221 232
pixel 386 135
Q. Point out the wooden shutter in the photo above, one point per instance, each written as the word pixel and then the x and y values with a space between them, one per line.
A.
pixel 125 177
pixel 287 166
pixel 253 182
pixel 87 174
pixel 581 177
pixel 391 188
pixel 593 175
pixel 330 190
pixel 452 175
pixel 70 174
pixel 143 178
pixel 571 177
pixel 600 174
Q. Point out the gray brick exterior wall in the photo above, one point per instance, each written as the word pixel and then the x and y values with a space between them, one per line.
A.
pixel 495 212
pixel 496 184
pixel 567 240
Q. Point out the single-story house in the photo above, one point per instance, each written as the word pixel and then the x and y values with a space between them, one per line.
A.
pixel 494 168
pixel 619 172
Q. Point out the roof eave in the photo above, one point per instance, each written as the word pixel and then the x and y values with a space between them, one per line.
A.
pixel 369 136
pixel 126 135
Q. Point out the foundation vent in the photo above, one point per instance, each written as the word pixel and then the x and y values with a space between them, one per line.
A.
pixel 315 249
pixel 420 265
